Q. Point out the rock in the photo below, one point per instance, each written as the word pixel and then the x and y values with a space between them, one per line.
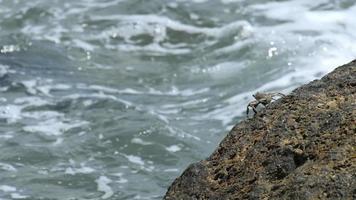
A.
pixel 302 146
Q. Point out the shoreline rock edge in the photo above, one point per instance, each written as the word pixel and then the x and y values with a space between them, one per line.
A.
pixel 302 146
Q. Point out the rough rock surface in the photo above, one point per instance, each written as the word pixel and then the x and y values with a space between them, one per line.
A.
pixel 302 146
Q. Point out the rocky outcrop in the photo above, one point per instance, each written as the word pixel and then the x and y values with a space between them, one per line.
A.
pixel 302 146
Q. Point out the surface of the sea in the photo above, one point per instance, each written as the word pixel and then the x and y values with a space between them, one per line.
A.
pixel 112 99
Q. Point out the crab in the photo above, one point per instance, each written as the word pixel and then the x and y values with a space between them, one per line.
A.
pixel 262 98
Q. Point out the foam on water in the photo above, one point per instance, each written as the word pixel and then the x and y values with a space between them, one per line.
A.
pixel 31 101
pixel 3 70
pixel 9 48
pixel 131 92
pixel 42 115
pixel 6 136
pixel 99 95
pixel 12 192
pixel 7 188
pixel 7 167
pixel 18 196
pixel 174 91
pixel 53 127
pixel 82 170
pixel 140 141
pixel 171 170
pixel 103 186
pixel 131 26
pixel 11 113
pixel 135 159
pixel 173 148
pixel 161 23
pixel 331 47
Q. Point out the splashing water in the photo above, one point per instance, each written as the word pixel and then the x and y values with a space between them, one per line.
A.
pixel 113 99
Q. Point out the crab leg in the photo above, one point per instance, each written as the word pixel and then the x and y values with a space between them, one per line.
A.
pixel 253 105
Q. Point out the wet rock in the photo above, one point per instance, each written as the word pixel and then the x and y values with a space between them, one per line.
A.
pixel 302 146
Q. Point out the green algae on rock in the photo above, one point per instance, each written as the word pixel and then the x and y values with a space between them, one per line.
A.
pixel 302 146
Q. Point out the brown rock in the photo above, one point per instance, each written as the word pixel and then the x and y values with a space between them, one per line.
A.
pixel 302 146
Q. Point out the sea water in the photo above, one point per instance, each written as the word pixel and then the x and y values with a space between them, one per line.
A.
pixel 113 99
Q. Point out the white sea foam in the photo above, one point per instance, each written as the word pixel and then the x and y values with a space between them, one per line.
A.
pixel 173 148
pixel 12 190
pixel 81 170
pixel 103 186
pixel 174 91
pixel 47 89
pixel 3 70
pixel 297 43
pixel 171 170
pixel 30 86
pixel 7 167
pixel 84 45
pixel 135 25
pixel 18 196
pixel 43 86
pixel 329 26
pixel 9 48
pixel 330 47
pixel 42 114
pixel 162 22
pixel 181 133
pixel 53 127
pixel 12 113
pixel 6 136
pixel 30 101
pixel 7 188
pixel 140 141
pixel 99 95
pixel 135 159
